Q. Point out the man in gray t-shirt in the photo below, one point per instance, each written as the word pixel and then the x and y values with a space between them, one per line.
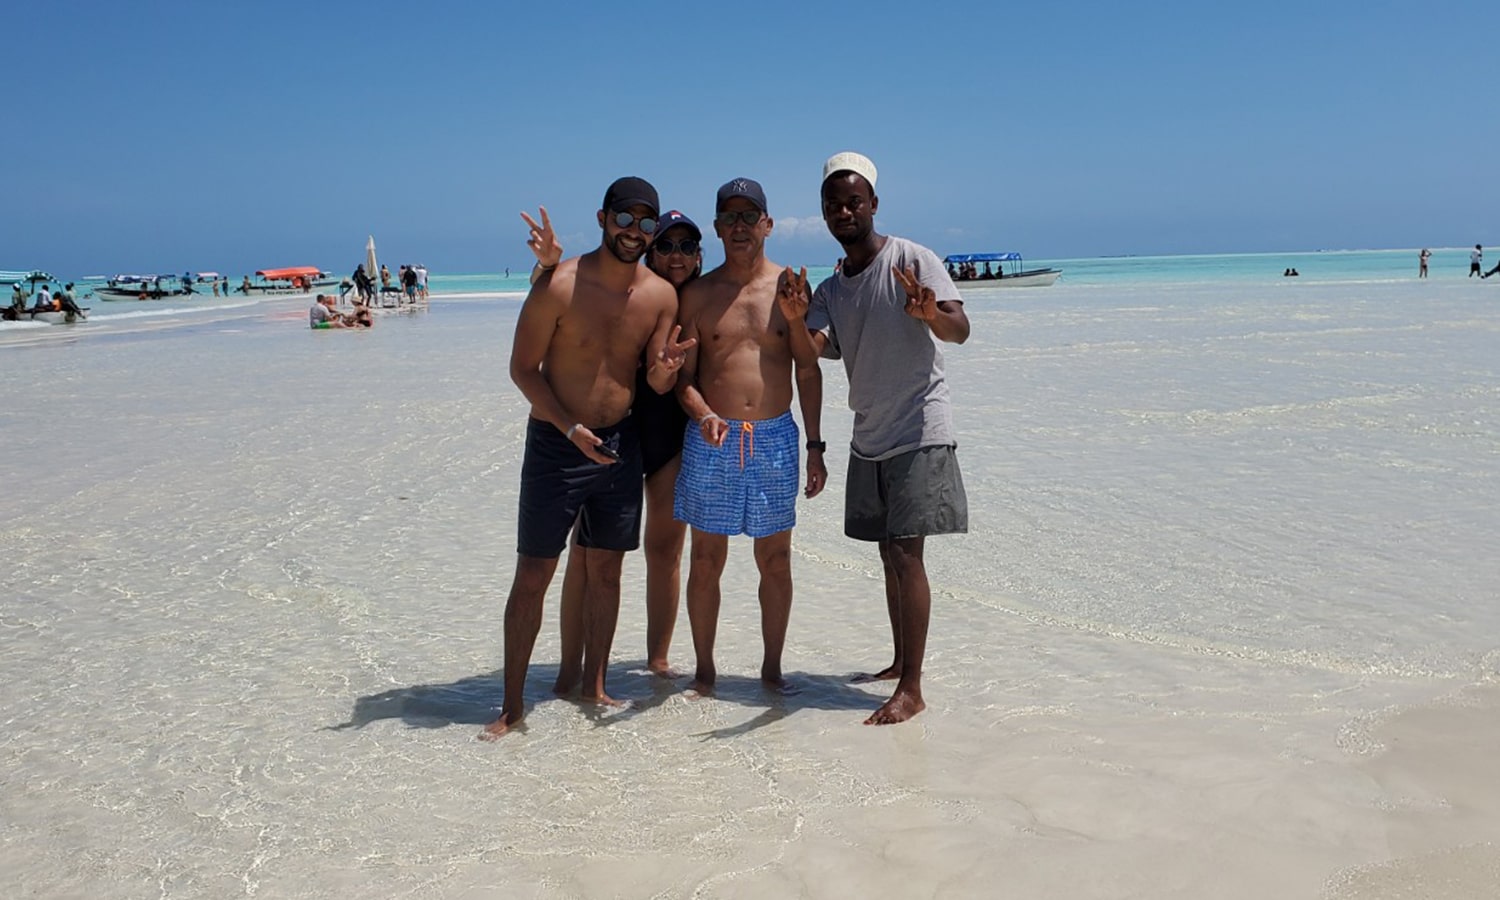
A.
pixel 886 313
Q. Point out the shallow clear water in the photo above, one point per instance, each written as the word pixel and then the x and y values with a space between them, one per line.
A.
pixel 1223 537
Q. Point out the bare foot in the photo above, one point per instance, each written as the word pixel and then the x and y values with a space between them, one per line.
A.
pixel 889 673
pixel 604 700
pixel 663 669
pixel 499 728
pixel 568 681
pixel 700 689
pixel 781 686
pixel 899 708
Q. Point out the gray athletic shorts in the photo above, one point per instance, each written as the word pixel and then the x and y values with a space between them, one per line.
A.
pixel 915 494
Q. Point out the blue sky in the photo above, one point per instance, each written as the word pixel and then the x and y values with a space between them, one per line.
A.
pixel 174 136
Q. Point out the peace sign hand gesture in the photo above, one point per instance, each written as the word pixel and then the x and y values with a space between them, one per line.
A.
pixel 674 352
pixel 921 302
pixel 543 240
pixel 792 294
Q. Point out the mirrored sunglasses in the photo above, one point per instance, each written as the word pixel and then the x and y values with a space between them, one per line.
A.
pixel 626 219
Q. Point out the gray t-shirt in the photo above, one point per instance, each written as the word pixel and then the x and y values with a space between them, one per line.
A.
pixel 319 314
pixel 895 365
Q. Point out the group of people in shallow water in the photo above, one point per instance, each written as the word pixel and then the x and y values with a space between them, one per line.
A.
pixel 46 300
pixel 411 284
pixel 324 313
pixel 678 383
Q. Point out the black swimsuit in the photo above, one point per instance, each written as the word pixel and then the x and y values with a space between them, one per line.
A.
pixel 659 420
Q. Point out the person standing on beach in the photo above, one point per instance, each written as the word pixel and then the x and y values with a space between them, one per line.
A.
pixel 675 254
pixel 579 339
pixel 1422 259
pixel 740 456
pixel 887 313
pixel 1476 262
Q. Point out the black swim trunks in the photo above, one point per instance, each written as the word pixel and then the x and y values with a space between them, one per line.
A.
pixel 659 420
pixel 559 485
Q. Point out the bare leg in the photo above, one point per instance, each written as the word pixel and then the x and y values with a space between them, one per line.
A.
pixel 709 553
pixel 773 556
pixel 601 610
pixel 893 609
pixel 570 618
pixel 905 557
pixel 523 619
pixel 663 543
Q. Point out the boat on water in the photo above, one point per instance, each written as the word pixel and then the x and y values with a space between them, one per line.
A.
pixel 141 287
pixel 62 309
pixel 996 270
pixel 56 316
pixel 291 280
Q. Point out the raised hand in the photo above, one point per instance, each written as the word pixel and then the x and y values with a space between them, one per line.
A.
pixel 543 240
pixel 792 294
pixel 673 352
pixel 921 302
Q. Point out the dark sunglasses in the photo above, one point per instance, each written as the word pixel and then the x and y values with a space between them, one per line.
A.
pixel 688 247
pixel 646 223
pixel 728 217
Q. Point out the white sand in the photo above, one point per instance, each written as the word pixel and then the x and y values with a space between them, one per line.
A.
pixel 1225 625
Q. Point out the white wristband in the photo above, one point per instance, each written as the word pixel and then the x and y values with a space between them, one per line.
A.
pixel 576 426
pixel 710 416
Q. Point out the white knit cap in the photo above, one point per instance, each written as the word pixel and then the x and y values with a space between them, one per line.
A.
pixel 849 161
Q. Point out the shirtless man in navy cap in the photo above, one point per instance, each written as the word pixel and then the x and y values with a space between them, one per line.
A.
pixel 579 337
pixel 740 469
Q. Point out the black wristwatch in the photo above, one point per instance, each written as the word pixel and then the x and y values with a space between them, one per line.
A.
pixel 820 446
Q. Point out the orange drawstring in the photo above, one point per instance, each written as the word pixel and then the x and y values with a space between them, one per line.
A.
pixel 747 432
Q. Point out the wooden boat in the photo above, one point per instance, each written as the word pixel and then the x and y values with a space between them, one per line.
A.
pixel 140 287
pixel 996 270
pixel 292 280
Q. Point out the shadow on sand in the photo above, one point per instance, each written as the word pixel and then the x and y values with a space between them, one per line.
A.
pixel 476 700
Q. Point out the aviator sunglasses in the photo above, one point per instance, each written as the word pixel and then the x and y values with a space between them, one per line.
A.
pixel 663 247
pixel 647 224
pixel 728 217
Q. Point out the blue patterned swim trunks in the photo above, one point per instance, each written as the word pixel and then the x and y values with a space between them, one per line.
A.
pixel 746 486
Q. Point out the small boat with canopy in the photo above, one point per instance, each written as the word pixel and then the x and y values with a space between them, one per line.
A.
pixel 996 270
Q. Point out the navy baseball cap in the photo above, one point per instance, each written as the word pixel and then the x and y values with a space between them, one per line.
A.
pixel 631 191
pixel 672 217
pixel 741 187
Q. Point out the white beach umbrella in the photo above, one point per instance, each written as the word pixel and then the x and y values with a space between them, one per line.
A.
pixel 371 268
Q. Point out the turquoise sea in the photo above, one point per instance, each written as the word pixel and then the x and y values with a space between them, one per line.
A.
pixel 1332 267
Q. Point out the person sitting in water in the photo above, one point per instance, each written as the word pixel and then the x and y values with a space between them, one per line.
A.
pixel 360 318
pixel 322 315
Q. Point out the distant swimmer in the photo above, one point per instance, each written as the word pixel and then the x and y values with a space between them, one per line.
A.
pixel 1476 262
pixel 1422 259
pixel 1290 273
